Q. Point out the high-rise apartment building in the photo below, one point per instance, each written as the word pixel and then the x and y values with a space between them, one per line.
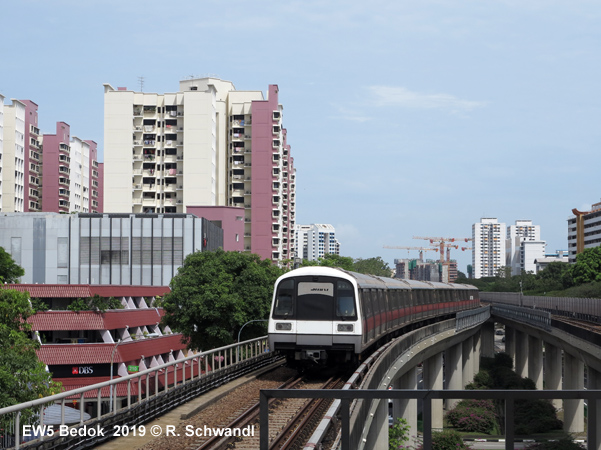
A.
pixel 33 158
pixel 96 177
pixel 13 158
pixel 523 246
pixel 584 230
pixel 69 171
pixel 488 254
pixel 205 145
pixel 315 241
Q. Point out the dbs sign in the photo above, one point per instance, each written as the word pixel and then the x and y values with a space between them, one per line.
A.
pixel 82 370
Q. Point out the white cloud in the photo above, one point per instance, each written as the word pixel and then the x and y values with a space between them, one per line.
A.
pixel 399 96
pixel 350 114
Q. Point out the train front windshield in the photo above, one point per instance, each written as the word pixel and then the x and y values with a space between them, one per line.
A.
pixel 315 298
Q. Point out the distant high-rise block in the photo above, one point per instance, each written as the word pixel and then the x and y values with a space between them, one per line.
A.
pixel 70 175
pixel 13 157
pixel 584 230
pixel 488 254
pixel 524 246
pixel 315 241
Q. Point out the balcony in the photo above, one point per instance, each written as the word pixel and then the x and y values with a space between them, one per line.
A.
pixel 169 158
pixel 64 148
pixel 34 130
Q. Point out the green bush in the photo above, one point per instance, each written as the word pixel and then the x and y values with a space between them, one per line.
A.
pixel 398 434
pixel 447 440
pixel 535 416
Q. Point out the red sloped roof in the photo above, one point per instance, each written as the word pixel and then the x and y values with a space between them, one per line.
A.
pixel 54 354
pixel 132 317
pixel 91 320
pixel 86 290
pixel 52 290
pixel 60 354
pixel 129 291
pixel 66 320
pixel 131 351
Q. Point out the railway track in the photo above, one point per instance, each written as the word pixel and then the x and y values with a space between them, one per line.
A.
pixel 291 420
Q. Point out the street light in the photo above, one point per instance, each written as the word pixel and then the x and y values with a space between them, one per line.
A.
pixel 113 356
pixel 239 332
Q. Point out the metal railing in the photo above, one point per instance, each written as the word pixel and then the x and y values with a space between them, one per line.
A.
pixel 149 393
pixel 508 396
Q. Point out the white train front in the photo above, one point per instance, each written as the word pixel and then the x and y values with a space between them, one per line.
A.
pixel 324 314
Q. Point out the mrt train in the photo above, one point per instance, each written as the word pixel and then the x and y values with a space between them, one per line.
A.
pixel 329 315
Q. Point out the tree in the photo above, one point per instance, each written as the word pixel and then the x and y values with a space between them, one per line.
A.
pixel 215 293
pixel 10 272
pixel 22 376
pixel 587 267
pixel 372 266
pixel 331 260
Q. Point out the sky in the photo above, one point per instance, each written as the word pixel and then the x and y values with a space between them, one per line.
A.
pixel 405 118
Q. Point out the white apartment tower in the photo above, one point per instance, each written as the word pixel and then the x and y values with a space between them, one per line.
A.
pixel 205 145
pixel 315 241
pixel 523 246
pixel 79 176
pixel 13 157
pixel 488 254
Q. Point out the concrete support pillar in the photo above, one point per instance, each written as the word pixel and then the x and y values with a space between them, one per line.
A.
pixel 407 408
pixel 467 352
pixel 573 410
pixel 453 367
pixel 510 342
pixel 433 377
pixel 535 361
pixel 487 333
pixel 521 354
pixel 381 426
pixel 477 351
pixel 552 371
pixel 594 382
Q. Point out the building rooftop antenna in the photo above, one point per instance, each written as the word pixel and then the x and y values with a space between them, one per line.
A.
pixel 141 81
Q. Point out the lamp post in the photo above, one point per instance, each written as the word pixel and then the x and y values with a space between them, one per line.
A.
pixel 239 332
pixel 149 335
pixel 112 357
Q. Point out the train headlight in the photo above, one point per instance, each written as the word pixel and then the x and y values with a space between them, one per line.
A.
pixel 283 326
pixel 346 327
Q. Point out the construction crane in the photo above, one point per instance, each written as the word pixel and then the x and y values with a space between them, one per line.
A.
pixel 449 246
pixel 421 250
pixel 441 243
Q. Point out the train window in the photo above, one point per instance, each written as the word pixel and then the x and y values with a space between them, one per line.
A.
pixel 284 305
pixel 345 300
pixel 366 297
pixel 315 300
